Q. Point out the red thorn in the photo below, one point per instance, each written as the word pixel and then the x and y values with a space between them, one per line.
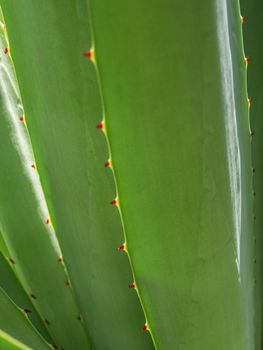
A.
pixel 243 19
pixel 6 50
pixel 247 59
pixel 33 166
pixel 132 286
pixel 26 311
pixel 48 221
pixel 22 118
pixel 100 125
pixel 250 99
pixel 107 164
pixel 12 261
pixel 114 201
pixel 145 327
pixel 60 260
pixel 122 247
pixel 88 54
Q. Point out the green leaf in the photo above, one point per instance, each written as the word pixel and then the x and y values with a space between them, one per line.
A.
pixel 62 106
pixel 253 31
pixel 14 322
pixel 3 247
pixel 9 343
pixel 12 287
pixel 30 238
pixel 173 79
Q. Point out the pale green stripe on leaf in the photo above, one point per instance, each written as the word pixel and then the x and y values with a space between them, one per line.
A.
pixel 9 343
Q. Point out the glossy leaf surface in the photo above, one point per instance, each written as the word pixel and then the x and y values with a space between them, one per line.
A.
pixel 173 78
pixel 58 85
pixel 253 31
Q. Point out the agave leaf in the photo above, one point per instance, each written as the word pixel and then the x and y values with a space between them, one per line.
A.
pixel 9 343
pixel 252 12
pixel 58 85
pixel 173 80
pixel 14 322
pixel 3 247
pixel 12 287
pixel 24 220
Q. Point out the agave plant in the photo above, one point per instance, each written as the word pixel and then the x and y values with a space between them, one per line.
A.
pixel 130 207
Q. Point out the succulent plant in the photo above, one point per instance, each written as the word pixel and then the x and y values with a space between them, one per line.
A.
pixel 128 206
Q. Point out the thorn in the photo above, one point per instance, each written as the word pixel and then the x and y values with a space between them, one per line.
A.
pixel 253 170
pixel 60 260
pixel 47 221
pixel 122 247
pixel 89 54
pixel 247 59
pixel 243 19
pixel 22 118
pixel 54 346
pixel 7 50
pixel 114 201
pixel 107 164
pixel 33 296
pixel 26 311
pixel 145 327
pixel 100 126
pixel 47 322
pixel 249 100
pixel 79 318
pixel 132 286
pixel 12 261
pixel 252 133
pixel 68 283
pixel 254 194
pixel 34 166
